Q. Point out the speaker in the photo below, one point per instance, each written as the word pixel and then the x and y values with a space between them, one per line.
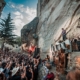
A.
pixel 36 52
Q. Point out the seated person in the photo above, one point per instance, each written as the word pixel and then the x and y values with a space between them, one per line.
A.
pixel 47 62
pixel 46 59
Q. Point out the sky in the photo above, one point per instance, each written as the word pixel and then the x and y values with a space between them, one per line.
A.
pixel 22 12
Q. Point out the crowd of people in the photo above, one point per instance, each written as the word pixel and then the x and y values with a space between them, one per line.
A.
pixel 18 66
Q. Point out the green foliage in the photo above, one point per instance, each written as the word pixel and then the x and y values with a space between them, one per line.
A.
pixel 18 41
pixel 6 29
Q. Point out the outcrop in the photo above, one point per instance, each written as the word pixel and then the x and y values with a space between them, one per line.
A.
pixel 52 16
pixel 28 32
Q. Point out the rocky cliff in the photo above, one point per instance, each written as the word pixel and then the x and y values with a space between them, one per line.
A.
pixel 54 15
pixel 28 32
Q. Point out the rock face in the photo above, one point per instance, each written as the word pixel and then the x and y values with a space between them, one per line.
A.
pixel 28 32
pixel 54 15
pixel 2 4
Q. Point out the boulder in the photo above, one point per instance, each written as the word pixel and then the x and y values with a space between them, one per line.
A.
pixel 28 32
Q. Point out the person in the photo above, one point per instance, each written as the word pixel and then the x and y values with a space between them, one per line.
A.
pixel 29 73
pixel 15 66
pixel 74 44
pixel 47 58
pixel 50 76
pixel 73 75
pixel 78 43
pixel 15 74
pixel 63 34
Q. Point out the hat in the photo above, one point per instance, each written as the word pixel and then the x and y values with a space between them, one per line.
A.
pixel 1 70
pixel 14 71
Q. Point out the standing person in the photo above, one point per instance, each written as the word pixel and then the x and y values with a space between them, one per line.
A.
pixel 36 62
pixel 73 75
pixel 16 74
pixel 63 34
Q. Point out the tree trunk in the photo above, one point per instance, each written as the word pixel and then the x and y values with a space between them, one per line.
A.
pixel 2 44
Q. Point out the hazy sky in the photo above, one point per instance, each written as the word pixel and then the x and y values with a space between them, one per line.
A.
pixel 22 12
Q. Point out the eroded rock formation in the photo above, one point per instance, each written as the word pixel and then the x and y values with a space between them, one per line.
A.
pixel 57 14
pixel 52 16
pixel 28 32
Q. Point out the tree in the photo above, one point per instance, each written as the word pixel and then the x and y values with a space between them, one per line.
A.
pixel 6 29
pixel 18 41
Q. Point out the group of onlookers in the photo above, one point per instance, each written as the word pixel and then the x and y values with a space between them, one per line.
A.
pixel 18 66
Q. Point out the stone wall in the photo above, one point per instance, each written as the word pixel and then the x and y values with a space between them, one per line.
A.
pixel 54 15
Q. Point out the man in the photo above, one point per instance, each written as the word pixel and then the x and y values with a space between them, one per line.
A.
pixel 73 75
pixel 63 34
